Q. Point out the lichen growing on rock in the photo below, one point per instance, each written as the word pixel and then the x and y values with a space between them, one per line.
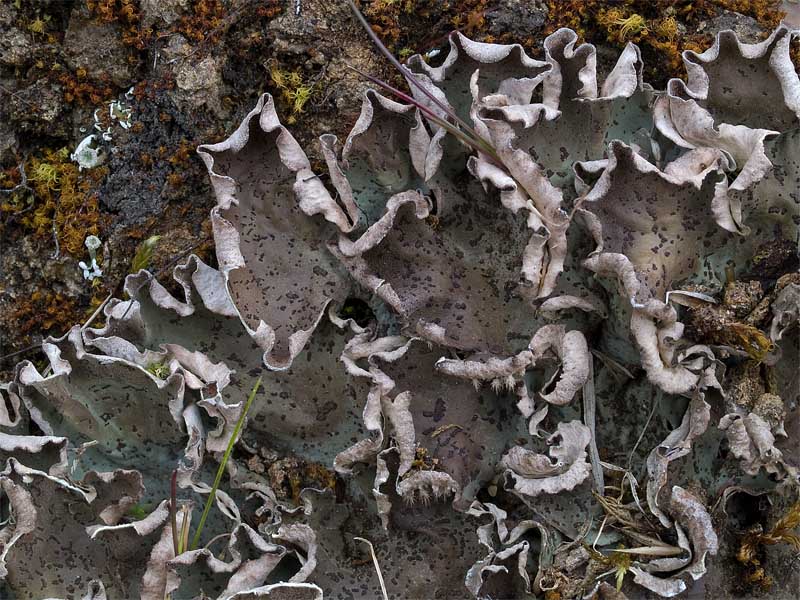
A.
pixel 522 340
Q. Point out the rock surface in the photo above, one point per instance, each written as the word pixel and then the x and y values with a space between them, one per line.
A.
pixel 97 49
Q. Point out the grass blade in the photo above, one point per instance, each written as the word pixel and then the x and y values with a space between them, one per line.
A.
pixel 173 512
pixel 236 431
pixel 184 535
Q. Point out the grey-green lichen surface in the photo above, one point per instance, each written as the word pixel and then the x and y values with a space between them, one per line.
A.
pixel 520 408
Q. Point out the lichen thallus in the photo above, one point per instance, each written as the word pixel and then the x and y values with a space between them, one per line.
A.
pixel 452 122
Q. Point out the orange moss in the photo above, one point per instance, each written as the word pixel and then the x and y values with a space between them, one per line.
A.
pixel 45 312
pixel 751 549
pixel 766 12
pixel 471 22
pixel 396 21
pixel 174 180
pixel 317 476
pixel 79 89
pixel 794 52
pixel 204 24
pixel 384 17
pixel 144 90
pixel 290 475
pixel 183 154
pixel 269 9
pixel 127 14
pixel 10 177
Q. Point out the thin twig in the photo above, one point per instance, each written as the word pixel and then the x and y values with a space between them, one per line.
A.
pixel 182 255
pixel 405 71
pixel 96 312
pixel 16 95
pixel 589 406
pixel 23 184
pixel 614 365
pixel 460 128
pixel 656 398
pixel 443 428
pixel 215 538
pixel 23 351
pixel 377 566
pixel 661 550
pixel 474 141
pixel 599 532
pixel 38 346
pixel 564 546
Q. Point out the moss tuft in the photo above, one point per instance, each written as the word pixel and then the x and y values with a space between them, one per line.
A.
pixel 59 193
pixel 127 14
pixel 294 91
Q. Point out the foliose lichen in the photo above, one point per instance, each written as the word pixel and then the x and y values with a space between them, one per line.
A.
pixel 524 356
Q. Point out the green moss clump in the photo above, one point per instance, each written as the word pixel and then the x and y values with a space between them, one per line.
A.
pixel 59 198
